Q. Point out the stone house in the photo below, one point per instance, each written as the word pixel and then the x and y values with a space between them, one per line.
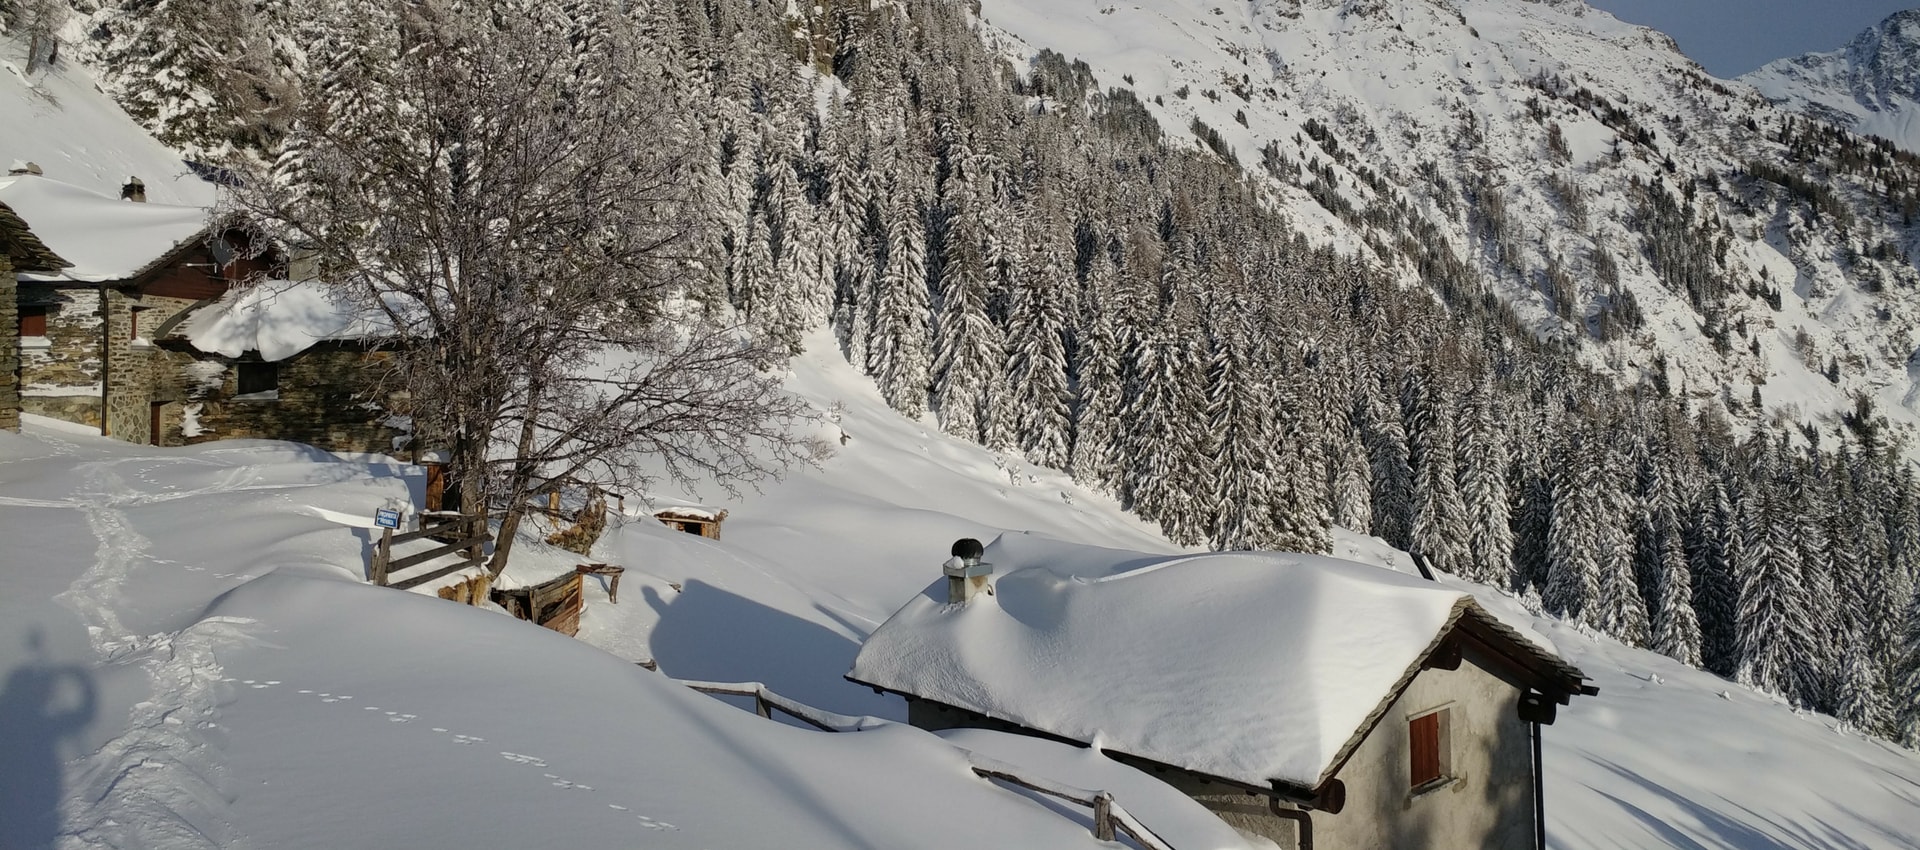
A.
pixel 104 342
pixel 1308 700
pixel 20 251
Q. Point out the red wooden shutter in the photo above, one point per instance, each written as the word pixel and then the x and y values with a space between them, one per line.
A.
pixel 33 321
pixel 1424 734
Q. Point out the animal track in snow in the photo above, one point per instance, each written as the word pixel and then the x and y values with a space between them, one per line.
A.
pixel 517 758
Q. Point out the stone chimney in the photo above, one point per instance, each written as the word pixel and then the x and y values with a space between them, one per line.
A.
pixel 135 191
pixel 967 575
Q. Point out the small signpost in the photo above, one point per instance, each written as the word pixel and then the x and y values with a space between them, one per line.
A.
pixel 386 518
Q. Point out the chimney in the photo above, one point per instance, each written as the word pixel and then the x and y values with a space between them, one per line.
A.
pixel 135 191
pixel 967 575
pixel 20 167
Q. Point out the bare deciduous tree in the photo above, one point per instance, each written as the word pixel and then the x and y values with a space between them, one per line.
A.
pixel 504 181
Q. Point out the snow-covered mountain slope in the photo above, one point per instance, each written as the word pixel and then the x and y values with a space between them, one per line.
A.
pixel 249 691
pixel 59 120
pixel 1582 166
pixel 1871 86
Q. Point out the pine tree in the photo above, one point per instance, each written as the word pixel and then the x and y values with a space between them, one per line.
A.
pixel 1574 545
pixel 1239 420
pixel 1097 457
pixel 898 353
pixel 1439 527
pixel 968 347
pixel 1037 356
pixel 1488 556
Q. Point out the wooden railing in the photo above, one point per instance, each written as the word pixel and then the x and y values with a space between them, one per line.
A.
pixel 1109 818
pixel 458 533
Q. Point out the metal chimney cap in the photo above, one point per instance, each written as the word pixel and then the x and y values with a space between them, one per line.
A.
pixel 968 549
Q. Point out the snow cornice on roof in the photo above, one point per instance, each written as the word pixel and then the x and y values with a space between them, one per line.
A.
pixel 104 240
pixel 24 250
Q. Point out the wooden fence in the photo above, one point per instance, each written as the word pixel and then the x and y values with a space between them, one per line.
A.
pixel 1109 818
pixel 464 534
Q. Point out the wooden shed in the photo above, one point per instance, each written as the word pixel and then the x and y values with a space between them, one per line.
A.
pixel 693 520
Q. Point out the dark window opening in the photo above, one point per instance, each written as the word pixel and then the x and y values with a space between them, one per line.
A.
pixel 33 321
pixel 258 378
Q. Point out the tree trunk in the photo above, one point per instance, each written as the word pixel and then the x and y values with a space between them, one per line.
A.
pixel 518 489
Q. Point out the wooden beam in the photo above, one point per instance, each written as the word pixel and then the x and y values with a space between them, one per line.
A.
pixel 419 558
pixel 418 580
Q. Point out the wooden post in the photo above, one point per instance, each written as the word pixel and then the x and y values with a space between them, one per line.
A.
pixel 762 707
pixel 1103 816
pixel 553 503
pixel 381 554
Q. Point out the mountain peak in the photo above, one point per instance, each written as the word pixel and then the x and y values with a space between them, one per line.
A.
pixel 1871 86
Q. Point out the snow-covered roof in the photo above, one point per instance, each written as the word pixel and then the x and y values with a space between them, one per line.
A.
pixel 669 507
pixel 1250 667
pixel 281 318
pixel 104 238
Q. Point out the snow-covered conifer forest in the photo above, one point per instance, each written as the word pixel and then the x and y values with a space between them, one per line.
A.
pixel 1512 286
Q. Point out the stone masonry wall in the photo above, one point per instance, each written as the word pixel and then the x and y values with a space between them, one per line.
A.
pixel 9 348
pixel 326 399
pixel 129 374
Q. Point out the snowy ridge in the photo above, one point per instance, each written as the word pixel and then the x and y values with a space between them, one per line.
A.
pixel 1438 106
pixel 1871 86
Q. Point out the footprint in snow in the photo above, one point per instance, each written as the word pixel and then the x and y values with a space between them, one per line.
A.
pixel 468 739
pixel 650 823
pixel 517 758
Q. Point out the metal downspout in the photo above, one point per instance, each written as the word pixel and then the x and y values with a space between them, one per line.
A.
pixel 106 359
pixel 1301 817
pixel 1539 794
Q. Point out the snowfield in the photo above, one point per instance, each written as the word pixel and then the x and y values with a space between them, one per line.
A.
pixel 193 660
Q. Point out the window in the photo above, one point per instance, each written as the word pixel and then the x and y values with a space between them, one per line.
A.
pixel 1428 742
pixel 258 379
pixel 33 321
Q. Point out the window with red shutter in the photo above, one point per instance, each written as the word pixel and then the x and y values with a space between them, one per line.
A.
pixel 33 321
pixel 1425 734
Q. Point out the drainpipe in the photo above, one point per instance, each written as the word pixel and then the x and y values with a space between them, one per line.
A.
pixel 1539 794
pixel 1301 818
pixel 106 358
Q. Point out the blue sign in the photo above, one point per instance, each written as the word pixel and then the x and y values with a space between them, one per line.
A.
pixel 386 518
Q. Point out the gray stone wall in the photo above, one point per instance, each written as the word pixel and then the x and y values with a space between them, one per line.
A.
pixel 328 398
pixel 9 348
pixel 129 374
pixel 70 361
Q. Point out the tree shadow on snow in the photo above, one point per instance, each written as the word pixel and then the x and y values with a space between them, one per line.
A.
pixel 710 634
pixel 42 705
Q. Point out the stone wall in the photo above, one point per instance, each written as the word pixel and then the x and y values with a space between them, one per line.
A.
pixel 9 348
pixel 68 361
pixel 129 374
pixel 326 398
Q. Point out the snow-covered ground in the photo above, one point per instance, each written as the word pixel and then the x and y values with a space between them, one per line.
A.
pixel 192 660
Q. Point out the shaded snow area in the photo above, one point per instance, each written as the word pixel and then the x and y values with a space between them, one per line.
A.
pixel 104 238
pixel 281 318
pixel 1183 638
pixel 192 659
pixel 80 136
